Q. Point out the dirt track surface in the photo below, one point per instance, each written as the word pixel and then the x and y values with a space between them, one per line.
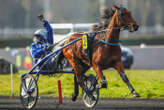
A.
pixel 44 103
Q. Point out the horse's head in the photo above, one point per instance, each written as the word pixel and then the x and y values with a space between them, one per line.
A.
pixel 125 19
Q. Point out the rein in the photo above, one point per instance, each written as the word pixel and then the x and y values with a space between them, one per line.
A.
pixel 104 30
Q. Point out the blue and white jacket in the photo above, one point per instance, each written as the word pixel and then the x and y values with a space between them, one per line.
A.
pixel 37 48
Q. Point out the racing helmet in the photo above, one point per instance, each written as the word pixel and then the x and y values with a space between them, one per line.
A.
pixel 41 33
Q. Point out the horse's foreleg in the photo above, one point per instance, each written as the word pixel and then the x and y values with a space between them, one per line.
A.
pixel 124 77
pixel 99 74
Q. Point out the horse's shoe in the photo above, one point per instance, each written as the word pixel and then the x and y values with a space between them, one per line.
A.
pixel 135 94
pixel 74 97
pixel 103 84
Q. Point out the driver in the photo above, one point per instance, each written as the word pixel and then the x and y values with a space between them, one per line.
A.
pixel 43 40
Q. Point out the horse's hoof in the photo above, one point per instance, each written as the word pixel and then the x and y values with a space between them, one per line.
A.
pixel 103 85
pixel 74 98
pixel 135 94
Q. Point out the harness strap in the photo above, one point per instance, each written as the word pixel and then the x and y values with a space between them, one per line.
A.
pixel 90 38
pixel 110 44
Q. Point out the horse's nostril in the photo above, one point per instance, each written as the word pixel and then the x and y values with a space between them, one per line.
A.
pixel 135 27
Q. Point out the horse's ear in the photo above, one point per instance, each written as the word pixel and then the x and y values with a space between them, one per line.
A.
pixel 121 6
pixel 116 7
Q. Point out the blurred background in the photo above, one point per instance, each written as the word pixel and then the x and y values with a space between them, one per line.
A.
pixel 21 14
pixel 18 14
pixel 18 21
pixel 19 17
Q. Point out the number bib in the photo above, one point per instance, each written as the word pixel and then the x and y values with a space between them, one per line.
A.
pixel 85 41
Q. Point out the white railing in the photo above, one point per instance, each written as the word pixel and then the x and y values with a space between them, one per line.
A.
pixel 158 30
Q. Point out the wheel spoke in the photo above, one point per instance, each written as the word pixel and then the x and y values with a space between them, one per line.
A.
pixel 90 98
pixel 29 99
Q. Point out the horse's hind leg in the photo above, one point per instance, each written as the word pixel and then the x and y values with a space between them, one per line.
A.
pixel 79 69
pixel 120 69
pixel 77 79
pixel 76 89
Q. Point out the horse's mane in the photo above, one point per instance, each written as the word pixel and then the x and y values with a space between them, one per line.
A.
pixel 105 16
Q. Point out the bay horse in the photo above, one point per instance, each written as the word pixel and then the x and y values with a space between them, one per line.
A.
pixel 104 55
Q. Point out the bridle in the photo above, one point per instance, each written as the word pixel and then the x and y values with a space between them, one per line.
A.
pixel 119 18
pixel 121 28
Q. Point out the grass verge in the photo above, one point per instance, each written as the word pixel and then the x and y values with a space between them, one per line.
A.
pixel 149 83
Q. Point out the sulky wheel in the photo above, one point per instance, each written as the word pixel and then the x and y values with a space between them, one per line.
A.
pixel 28 91
pixel 90 91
